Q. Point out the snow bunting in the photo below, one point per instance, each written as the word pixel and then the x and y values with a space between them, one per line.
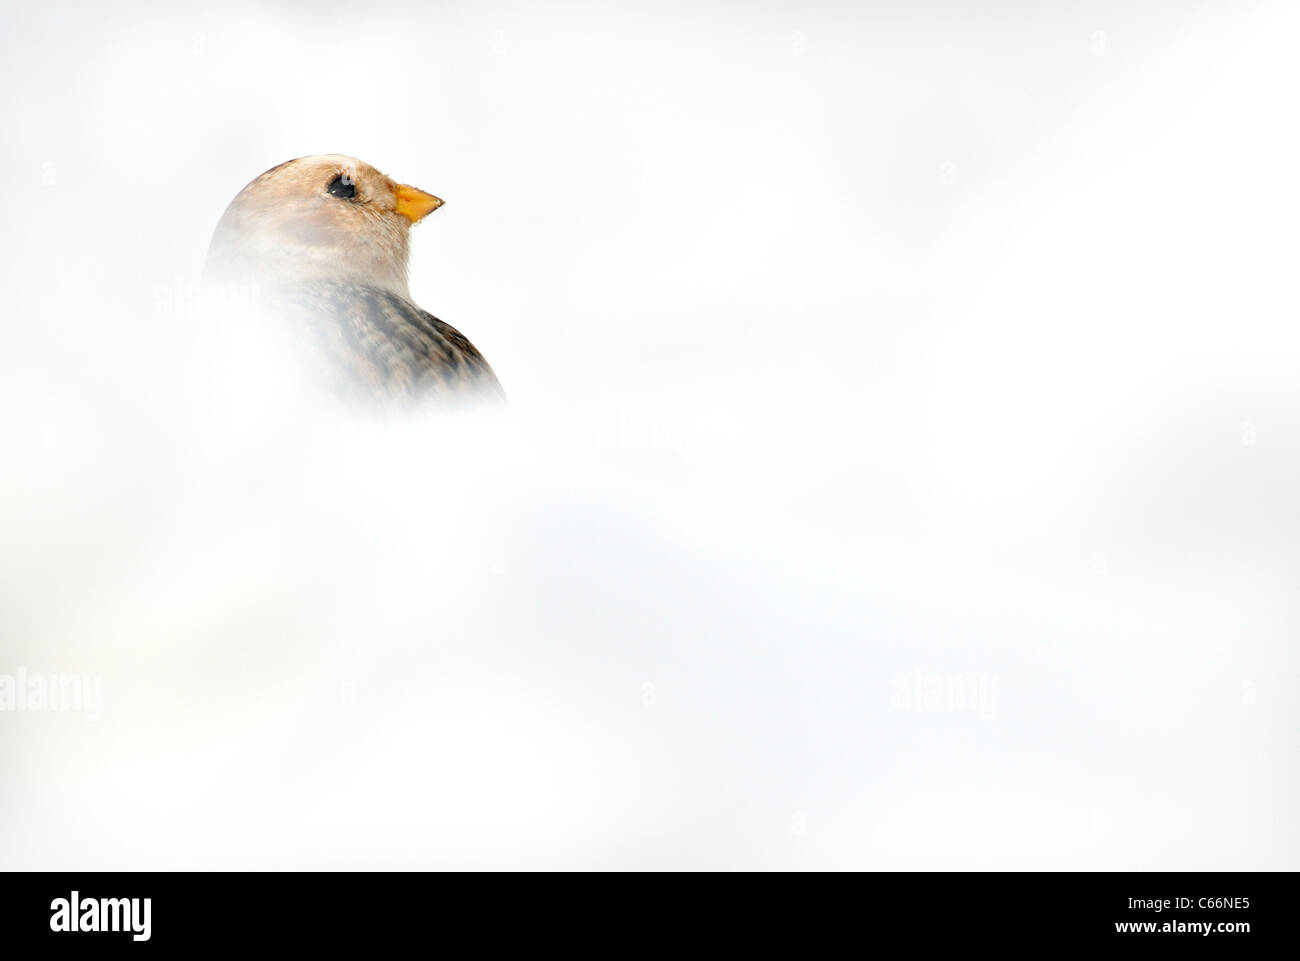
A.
pixel 324 241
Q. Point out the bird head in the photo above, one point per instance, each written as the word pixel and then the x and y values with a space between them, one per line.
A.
pixel 326 217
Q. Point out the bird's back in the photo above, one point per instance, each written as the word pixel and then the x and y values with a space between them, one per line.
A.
pixel 381 344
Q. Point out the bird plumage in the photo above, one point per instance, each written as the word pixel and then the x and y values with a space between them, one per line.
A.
pixel 384 345
pixel 324 240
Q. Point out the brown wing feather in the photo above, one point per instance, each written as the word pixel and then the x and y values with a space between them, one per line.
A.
pixel 389 346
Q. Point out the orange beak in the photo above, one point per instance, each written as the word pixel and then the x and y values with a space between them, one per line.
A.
pixel 415 204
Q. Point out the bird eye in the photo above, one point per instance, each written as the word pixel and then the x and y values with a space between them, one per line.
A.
pixel 342 186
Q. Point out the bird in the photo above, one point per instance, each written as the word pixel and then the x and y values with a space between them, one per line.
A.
pixel 324 241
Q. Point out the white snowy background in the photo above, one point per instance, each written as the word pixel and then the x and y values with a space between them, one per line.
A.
pixel 860 355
